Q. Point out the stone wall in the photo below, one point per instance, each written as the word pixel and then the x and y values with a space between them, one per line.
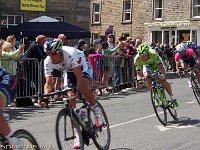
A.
pixel 142 11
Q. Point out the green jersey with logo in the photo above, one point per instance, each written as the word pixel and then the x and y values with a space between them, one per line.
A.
pixel 152 61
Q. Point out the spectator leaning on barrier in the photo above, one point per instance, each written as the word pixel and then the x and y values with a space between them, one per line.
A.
pixel 36 49
pixel 106 63
pixel 7 52
pixel 93 59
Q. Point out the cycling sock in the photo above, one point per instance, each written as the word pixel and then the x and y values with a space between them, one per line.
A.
pixel 171 97
pixel 9 134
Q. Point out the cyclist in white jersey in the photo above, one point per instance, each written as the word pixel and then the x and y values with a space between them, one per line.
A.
pixel 69 58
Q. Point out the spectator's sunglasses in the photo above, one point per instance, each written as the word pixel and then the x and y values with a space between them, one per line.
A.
pixel 53 53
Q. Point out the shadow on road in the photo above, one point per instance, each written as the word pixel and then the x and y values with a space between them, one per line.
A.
pixel 22 113
pixel 185 121
pixel 121 149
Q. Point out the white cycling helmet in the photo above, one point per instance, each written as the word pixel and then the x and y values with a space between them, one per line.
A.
pixel 180 48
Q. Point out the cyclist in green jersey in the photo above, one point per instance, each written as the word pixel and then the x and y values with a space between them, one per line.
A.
pixel 147 57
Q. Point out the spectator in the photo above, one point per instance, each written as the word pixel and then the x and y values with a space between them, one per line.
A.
pixel 7 52
pixel 82 46
pixel 93 59
pixel 11 39
pixel 111 41
pixel 35 50
pixel 138 42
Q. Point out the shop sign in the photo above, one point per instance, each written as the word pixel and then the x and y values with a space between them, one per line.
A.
pixel 33 5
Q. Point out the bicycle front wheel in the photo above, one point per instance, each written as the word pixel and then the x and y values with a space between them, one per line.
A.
pixel 101 136
pixel 195 87
pixel 172 112
pixel 158 106
pixel 27 139
pixel 65 136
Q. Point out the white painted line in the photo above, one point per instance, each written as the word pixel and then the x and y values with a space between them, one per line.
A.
pixel 132 121
pixel 192 102
pixel 162 128
pixel 174 126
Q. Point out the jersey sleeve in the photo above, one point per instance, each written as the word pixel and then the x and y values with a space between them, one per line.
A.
pixel 76 59
pixel 190 52
pixel 48 69
pixel 138 65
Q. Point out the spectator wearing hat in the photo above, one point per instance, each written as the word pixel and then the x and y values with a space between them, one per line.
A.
pixel 81 45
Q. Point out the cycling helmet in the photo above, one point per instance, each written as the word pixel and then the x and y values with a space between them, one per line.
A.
pixel 189 44
pixel 180 48
pixel 143 49
pixel 53 45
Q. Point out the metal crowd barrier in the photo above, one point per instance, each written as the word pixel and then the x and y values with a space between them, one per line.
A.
pixel 106 73
pixel 116 73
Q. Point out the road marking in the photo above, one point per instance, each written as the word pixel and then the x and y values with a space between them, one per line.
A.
pixel 174 126
pixel 132 121
pixel 162 128
pixel 192 102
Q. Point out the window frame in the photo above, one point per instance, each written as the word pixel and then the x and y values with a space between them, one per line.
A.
pixel 94 14
pixel 126 11
pixel 193 9
pixel 159 8
pixel 7 22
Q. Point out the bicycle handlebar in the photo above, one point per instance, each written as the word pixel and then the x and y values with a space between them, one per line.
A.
pixel 62 92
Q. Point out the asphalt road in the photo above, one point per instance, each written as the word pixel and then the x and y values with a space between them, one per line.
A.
pixel 133 123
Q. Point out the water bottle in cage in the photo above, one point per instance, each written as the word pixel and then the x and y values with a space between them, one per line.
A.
pixel 83 113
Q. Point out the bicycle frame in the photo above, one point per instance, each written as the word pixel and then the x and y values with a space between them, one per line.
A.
pixel 158 87
pixel 68 106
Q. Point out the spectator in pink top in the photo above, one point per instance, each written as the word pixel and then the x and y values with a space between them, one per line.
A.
pixel 93 59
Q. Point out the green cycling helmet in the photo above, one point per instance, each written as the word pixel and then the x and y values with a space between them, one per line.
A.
pixel 143 49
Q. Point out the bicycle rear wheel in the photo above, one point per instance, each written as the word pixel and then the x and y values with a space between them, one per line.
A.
pixel 27 139
pixel 101 136
pixel 64 131
pixel 195 87
pixel 158 107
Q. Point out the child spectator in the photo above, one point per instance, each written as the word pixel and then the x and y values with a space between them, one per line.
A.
pixel 93 60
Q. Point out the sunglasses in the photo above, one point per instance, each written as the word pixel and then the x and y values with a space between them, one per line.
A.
pixel 143 55
pixel 52 53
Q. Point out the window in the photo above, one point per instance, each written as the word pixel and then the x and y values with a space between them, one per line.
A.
pixel 157 9
pixel 196 9
pixel 126 11
pixel 125 35
pixel 96 13
pixel 95 36
pixel 11 20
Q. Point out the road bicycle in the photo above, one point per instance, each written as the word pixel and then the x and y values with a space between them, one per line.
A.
pixel 195 84
pixel 27 139
pixel 68 119
pixel 161 104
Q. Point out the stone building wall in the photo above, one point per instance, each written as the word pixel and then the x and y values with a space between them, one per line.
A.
pixel 73 11
pixel 142 12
